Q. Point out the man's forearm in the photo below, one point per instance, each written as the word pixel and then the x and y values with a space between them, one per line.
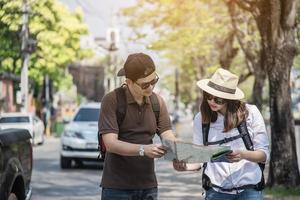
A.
pixel 123 148
pixel 114 145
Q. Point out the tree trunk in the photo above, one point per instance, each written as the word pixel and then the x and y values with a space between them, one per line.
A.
pixel 283 166
pixel 258 86
pixel 276 24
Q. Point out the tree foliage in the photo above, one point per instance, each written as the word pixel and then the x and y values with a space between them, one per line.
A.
pixel 185 32
pixel 56 30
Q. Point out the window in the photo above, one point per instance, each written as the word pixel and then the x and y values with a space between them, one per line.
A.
pixel 87 115
pixel 14 119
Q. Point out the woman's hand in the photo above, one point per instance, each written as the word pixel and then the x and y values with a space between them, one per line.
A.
pixel 179 165
pixel 235 156
pixel 253 156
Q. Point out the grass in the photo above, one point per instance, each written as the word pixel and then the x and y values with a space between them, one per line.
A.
pixel 282 192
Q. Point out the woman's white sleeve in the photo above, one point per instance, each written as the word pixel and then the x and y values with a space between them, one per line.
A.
pixel 260 139
pixel 197 130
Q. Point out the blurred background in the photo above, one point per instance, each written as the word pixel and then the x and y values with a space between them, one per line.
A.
pixel 57 55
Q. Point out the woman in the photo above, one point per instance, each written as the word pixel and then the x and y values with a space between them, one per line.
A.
pixel 223 111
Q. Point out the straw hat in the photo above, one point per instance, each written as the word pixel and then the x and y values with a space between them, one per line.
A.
pixel 222 84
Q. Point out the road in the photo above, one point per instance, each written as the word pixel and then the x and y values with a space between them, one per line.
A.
pixel 50 182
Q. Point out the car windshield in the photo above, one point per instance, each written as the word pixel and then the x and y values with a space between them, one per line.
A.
pixel 23 119
pixel 87 115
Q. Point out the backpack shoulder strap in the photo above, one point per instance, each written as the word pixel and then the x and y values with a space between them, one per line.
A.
pixel 121 104
pixel 205 131
pixel 155 106
pixel 243 130
pixel 120 113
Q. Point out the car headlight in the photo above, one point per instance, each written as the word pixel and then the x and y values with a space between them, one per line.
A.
pixel 75 134
pixel 69 133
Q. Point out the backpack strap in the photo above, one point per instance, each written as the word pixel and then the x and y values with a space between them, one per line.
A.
pixel 243 130
pixel 121 104
pixel 120 113
pixel 206 184
pixel 155 106
pixel 225 140
pixel 205 131
pixel 243 133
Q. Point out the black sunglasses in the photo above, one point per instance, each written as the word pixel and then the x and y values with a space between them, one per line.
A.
pixel 146 85
pixel 217 100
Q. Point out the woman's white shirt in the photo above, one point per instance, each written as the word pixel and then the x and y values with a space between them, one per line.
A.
pixel 244 172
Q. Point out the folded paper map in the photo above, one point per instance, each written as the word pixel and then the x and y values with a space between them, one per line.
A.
pixel 193 153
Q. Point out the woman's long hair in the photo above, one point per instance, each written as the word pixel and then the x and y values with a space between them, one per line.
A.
pixel 236 112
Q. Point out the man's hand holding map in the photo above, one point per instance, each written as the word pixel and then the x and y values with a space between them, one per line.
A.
pixel 193 153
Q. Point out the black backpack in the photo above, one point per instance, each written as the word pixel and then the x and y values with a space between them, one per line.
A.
pixel 244 134
pixel 121 113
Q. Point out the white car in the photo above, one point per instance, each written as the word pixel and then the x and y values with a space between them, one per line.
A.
pixel 28 121
pixel 79 142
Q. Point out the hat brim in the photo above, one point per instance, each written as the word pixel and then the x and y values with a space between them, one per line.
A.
pixel 203 84
pixel 121 72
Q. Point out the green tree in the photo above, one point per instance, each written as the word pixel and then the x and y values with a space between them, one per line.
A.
pixel 182 33
pixel 198 37
pixel 56 30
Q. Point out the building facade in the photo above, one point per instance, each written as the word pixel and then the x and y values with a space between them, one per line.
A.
pixel 89 80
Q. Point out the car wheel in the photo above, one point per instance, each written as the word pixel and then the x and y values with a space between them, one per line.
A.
pixel 65 163
pixel 12 196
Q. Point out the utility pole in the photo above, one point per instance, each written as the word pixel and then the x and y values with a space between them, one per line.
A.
pixel 25 57
pixel 112 40
pixel 176 96
pixel 48 106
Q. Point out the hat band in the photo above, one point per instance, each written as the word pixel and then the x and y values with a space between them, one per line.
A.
pixel 221 88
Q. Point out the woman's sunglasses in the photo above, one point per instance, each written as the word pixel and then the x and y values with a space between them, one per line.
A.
pixel 146 85
pixel 217 100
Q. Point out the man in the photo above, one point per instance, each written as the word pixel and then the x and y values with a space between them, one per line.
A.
pixel 129 163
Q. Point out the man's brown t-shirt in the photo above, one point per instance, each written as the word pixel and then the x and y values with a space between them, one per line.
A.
pixel 138 127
